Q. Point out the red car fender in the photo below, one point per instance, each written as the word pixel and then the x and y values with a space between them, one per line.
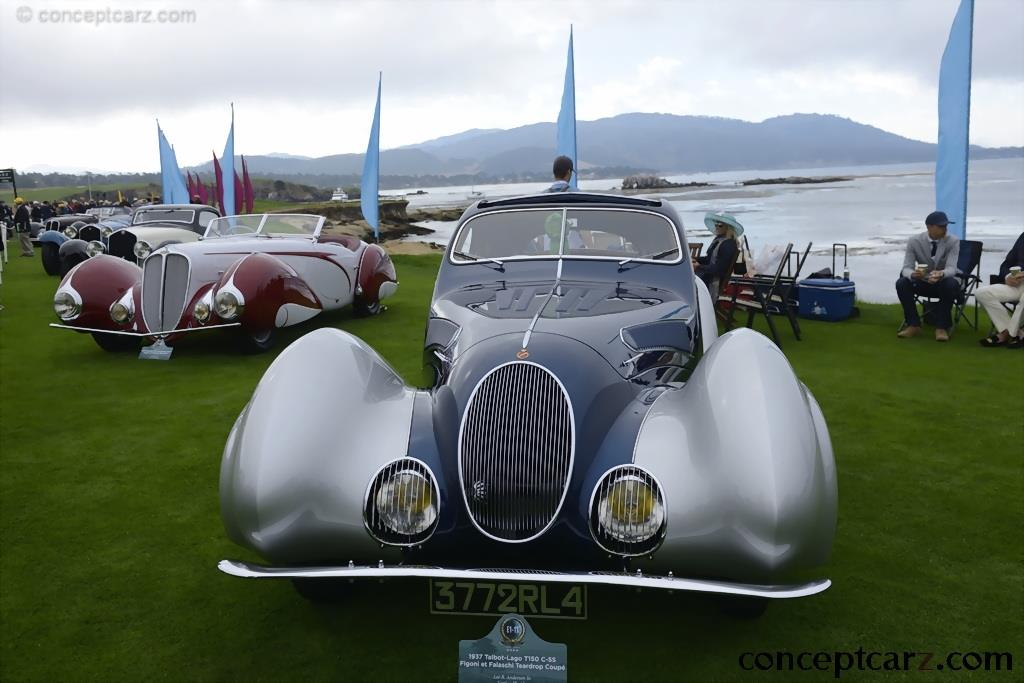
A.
pixel 266 283
pixel 101 281
pixel 375 268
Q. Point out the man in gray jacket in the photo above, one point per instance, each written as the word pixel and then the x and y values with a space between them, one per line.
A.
pixel 929 269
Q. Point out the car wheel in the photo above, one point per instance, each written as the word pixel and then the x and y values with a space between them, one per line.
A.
pixel 364 309
pixel 51 258
pixel 744 608
pixel 116 343
pixel 258 342
pixel 323 591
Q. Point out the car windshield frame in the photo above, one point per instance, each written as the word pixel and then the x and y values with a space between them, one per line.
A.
pixel 455 259
pixel 260 230
pixel 142 212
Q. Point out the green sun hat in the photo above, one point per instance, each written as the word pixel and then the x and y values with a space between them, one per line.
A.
pixel 712 217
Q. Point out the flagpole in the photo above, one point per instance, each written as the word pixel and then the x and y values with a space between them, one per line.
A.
pixel 967 137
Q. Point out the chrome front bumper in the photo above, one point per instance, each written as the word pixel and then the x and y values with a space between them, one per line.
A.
pixel 157 335
pixel 638 580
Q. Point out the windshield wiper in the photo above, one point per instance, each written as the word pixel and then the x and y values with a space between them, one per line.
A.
pixel 653 257
pixel 481 259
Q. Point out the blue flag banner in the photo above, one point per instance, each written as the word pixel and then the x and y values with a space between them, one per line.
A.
pixel 370 184
pixel 172 185
pixel 955 121
pixel 566 137
pixel 227 167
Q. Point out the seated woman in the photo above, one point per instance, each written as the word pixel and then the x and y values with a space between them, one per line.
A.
pixel 715 265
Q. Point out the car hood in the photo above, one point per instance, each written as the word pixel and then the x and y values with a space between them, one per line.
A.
pixel 158 234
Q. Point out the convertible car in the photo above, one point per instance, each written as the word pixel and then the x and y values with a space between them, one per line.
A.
pixel 586 425
pixel 257 273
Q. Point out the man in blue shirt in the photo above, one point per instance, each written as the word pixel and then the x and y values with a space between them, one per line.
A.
pixel 562 169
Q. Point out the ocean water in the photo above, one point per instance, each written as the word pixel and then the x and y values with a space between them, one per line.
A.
pixel 873 214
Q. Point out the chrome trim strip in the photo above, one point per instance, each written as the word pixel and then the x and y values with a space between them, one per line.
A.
pixel 247 570
pixel 547 413
pixel 677 230
pixel 143 334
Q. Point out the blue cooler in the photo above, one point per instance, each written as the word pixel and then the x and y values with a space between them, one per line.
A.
pixel 826 299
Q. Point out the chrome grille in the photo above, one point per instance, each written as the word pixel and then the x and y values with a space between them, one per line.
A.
pixel 164 291
pixel 516 447
pixel 633 497
pixel 419 490
pixel 121 243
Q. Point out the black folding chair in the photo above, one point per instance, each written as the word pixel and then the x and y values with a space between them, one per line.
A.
pixel 766 295
pixel 1010 306
pixel 969 276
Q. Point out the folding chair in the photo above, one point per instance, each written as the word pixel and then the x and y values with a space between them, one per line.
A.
pixel 723 282
pixel 766 295
pixel 1010 306
pixel 968 267
pixel 695 249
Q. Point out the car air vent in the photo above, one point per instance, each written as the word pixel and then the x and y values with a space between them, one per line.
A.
pixel 516 448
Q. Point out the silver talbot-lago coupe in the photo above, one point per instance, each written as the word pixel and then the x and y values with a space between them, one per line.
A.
pixel 257 273
pixel 586 425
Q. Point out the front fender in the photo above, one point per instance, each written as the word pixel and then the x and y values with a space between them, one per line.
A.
pixel 744 457
pixel 327 415
pixel 99 282
pixel 267 285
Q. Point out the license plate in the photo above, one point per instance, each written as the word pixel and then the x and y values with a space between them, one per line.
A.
pixel 535 600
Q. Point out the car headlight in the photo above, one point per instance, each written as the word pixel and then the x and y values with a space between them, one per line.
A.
pixel 402 503
pixel 202 309
pixel 71 231
pixel 227 305
pixel 123 310
pixel 66 305
pixel 142 249
pixel 106 231
pixel 94 248
pixel 628 512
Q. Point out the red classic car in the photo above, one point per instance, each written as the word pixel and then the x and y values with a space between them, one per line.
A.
pixel 256 272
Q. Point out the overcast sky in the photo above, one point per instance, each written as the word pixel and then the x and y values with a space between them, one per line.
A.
pixel 303 74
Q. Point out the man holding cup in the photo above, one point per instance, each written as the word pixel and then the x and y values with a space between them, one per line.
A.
pixel 929 270
pixel 1008 327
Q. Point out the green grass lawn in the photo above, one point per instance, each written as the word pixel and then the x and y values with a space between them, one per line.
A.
pixel 110 530
pixel 79 191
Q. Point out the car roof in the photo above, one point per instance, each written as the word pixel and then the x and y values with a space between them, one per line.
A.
pixel 168 207
pixel 575 200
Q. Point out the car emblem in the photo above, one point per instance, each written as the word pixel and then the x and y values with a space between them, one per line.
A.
pixel 512 630
pixel 523 354
pixel 479 490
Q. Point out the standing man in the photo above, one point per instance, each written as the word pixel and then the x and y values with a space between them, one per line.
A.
pixel 929 269
pixel 21 226
pixel 562 170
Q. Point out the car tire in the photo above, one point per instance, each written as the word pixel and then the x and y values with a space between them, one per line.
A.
pixel 322 591
pixel 744 608
pixel 364 309
pixel 51 258
pixel 259 342
pixel 116 343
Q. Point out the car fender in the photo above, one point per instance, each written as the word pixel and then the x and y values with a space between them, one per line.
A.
pixel 377 277
pixel 269 286
pixel 743 455
pixel 52 237
pixel 327 415
pixel 99 282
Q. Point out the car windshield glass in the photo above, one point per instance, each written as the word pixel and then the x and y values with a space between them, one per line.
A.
pixel 588 233
pixel 270 225
pixel 162 215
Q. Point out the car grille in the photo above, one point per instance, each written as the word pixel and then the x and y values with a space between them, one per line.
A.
pixel 164 290
pixel 121 244
pixel 89 233
pixel 516 450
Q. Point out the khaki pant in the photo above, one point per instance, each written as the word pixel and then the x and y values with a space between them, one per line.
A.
pixel 991 298
pixel 25 238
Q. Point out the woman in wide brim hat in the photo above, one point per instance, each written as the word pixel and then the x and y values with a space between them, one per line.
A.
pixel 716 265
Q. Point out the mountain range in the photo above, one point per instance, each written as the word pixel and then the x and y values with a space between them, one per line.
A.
pixel 611 147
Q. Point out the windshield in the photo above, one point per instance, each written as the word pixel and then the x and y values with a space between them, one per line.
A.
pixel 574 233
pixel 265 225
pixel 164 215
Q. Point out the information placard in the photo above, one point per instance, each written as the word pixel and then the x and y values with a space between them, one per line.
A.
pixel 512 652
